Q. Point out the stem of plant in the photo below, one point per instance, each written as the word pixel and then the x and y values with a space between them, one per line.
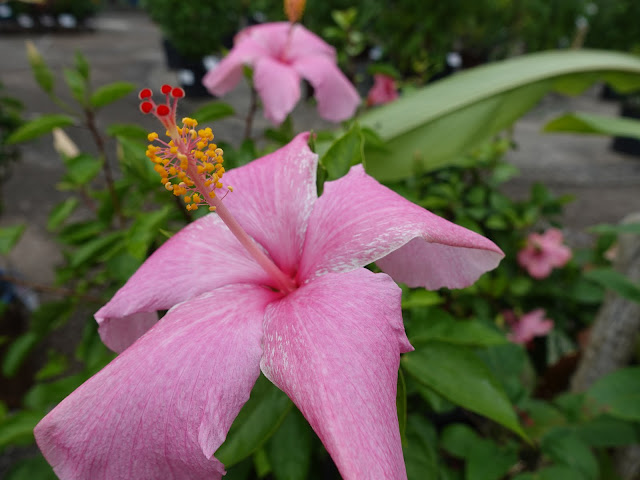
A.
pixel 253 108
pixel 106 167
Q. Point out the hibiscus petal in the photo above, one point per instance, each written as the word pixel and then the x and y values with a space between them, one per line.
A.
pixel 161 408
pixel 358 221
pixel 337 97
pixel 226 75
pixel 201 257
pixel 273 198
pixel 304 42
pixel 333 346
pixel 278 86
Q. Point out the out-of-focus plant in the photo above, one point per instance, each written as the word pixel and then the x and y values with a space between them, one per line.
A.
pixel 10 120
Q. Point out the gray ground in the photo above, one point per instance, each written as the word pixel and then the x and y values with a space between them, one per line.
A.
pixel 126 46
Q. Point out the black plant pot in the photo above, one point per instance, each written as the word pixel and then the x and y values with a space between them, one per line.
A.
pixel 627 145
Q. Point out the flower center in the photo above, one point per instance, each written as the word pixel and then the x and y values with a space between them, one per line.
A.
pixel 191 166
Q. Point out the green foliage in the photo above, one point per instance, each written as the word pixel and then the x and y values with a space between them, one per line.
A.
pixel 438 124
pixel 39 126
pixel 9 236
pixel 594 124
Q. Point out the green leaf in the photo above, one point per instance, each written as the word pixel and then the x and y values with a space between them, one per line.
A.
pixel 440 122
pixel 420 456
pixel 289 449
pixel 554 472
pixel 77 84
pixel 17 429
pixel 212 111
pixel 56 365
pixel 81 169
pixel 615 281
pixel 18 352
pixel 257 421
pixel 442 327
pixel 458 374
pixel 606 431
pixel 29 469
pixel 144 231
pixel 603 228
pixel 618 393
pixel 82 65
pixel 594 124
pixel 566 448
pixel 61 212
pixel 345 152
pixel 421 298
pixel 110 93
pixel 401 404
pixel 41 125
pixel 9 236
pixel 128 130
pixel 91 249
pixel 41 72
pixel 79 232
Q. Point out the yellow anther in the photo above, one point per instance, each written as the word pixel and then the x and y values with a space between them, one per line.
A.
pixel 189 207
pixel 182 157
pixel 189 122
pixel 194 206
pixel 230 188
pixel 152 136
pixel 207 183
pixel 174 150
pixel 209 167
pixel 212 209
pixel 173 170
pixel 201 145
pixel 212 194
pixel 219 185
pixel 187 199
pixel 219 151
pixel 193 134
pixel 200 169
pixel 196 198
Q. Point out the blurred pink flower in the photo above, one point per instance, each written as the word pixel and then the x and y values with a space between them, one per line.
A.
pixel 543 253
pixel 383 90
pixel 330 336
pixel 280 55
pixel 530 325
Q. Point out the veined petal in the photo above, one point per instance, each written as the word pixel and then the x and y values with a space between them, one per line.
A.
pixel 358 221
pixel 333 346
pixel 278 86
pixel 226 75
pixel 201 257
pixel 161 408
pixel 273 197
pixel 304 42
pixel 337 97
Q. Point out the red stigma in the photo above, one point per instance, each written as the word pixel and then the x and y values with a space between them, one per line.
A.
pixel 177 92
pixel 162 110
pixel 145 93
pixel 146 107
pixel 166 89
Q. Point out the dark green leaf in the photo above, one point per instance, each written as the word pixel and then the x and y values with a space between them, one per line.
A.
pixel 566 448
pixel 289 449
pixel 618 393
pixel 442 327
pixel 257 421
pixel 457 374
pixel 401 405
pixel 79 232
pixel 61 212
pixel 420 456
pixel 18 352
pixel 17 429
pixel 144 231
pixel 594 124
pixel 345 152
pixel 56 365
pixel 421 298
pixel 110 93
pixel 91 249
pixel 41 125
pixel 606 431
pixel 128 130
pixel 81 169
pixel 554 472
pixel 439 123
pixel 213 111
pixel 30 469
pixel 9 236
pixel 615 281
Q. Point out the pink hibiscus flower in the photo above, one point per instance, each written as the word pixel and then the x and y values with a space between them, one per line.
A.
pixel 543 253
pixel 280 55
pixel 530 325
pixel 383 90
pixel 273 282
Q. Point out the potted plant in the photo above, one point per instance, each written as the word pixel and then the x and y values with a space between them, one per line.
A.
pixel 192 31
